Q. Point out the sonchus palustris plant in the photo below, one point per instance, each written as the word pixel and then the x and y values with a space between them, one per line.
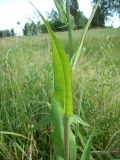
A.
pixel 61 114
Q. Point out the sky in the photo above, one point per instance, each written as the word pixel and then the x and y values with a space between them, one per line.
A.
pixel 12 11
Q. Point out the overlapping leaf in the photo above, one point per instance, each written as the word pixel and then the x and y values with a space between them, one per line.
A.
pixel 62 73
pixel 61 10
pixel 62 14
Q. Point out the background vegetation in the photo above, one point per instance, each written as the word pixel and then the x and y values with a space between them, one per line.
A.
pixel 26 78
pixel 26 86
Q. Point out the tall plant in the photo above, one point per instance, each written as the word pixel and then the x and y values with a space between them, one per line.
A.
pixel 61 114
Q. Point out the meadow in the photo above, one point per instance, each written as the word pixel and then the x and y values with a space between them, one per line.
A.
pixel 26 88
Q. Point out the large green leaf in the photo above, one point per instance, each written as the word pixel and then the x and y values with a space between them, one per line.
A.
pixel 62 13
pixel 58 135
pixel 86 151
pixel 62 73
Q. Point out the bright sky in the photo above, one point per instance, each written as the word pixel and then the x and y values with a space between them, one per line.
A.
pixel 12 11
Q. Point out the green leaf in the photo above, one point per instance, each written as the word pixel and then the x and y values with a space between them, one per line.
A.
pixel 77 119
pixel 86 151
pixel 62 73
pixel 43 122
pixel 14 134
pixel 62 77
pixel 62 13
pixel 58 135
pixel 73 147
pixel 72 22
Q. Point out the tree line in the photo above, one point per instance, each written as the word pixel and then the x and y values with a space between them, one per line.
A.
pixel 33 28
pixel 7 33
pixel 105 10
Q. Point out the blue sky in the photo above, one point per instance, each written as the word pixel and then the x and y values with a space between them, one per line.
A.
pixel 12 11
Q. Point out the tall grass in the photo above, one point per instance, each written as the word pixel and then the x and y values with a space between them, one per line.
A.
pixel 26 87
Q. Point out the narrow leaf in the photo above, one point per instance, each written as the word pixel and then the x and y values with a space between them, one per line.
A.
pixel 80 47
pixel 72 22
pixel 62 73
pixel 77 119
pixel 14 134
pixel 43 122
pixel 86 151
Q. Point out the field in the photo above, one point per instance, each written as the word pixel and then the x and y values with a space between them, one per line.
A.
pixel 26 87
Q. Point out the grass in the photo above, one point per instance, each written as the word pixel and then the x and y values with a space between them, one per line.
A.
pixel 26 77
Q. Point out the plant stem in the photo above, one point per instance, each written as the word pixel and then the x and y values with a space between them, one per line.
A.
pixel 66 138
pixel 69 29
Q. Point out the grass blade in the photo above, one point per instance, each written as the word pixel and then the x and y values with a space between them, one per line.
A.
pixel 14 134
pixel 43 122
pixel 77 119
pixel 86 151
pixel 79 50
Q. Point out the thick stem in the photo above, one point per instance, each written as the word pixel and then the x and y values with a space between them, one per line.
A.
pixel 69 29
pixel 66 138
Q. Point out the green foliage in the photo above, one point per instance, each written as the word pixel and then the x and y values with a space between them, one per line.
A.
pixel 31 29
pixel 26 78
pixel 58 135
pixel 98 19
pixel 43 122
pixel 14 134
pixel 12 32
pixel 55 22
pixel 115 6
pixel 77 119
pixel 86 151
pixel 79 50
pixel 79 18
pixel 109 7
pixel 62 75
pixel 104 11
pixel 62 12
pixel 21 112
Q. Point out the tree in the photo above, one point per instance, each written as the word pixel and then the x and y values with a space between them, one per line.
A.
pixel 54 21
pixel 5 33
pixel 31 28
pixel 26 29
pixel 12 32
pixel 98 19
pixel 80 19
pixel 102 13
pixel 74 10
pixel 106 9
pixel 114 5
